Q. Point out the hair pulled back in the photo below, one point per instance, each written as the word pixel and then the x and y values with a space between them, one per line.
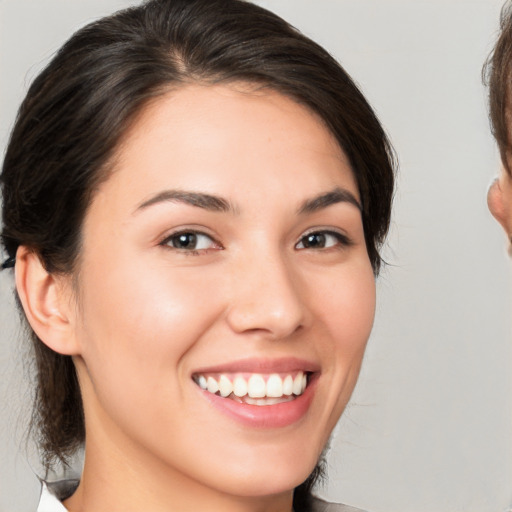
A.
pixel 77 110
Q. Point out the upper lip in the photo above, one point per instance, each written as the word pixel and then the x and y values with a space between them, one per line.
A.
pixel 262 365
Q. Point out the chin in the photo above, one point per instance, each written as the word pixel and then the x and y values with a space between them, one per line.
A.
pixel 269 476
pixel 269 484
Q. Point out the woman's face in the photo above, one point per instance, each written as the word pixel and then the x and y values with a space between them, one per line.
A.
pixel 225 251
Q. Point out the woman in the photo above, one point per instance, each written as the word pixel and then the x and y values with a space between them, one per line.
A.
pixel 194 198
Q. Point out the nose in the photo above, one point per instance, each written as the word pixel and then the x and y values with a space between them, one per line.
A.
pixel 266 298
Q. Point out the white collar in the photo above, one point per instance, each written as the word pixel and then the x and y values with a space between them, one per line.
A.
pixel 49 501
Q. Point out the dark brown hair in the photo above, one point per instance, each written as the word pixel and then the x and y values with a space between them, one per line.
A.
pixel 79 107
pixel 497 73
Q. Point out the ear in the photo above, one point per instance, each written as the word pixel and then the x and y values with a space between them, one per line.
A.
pixel 46 301
pixel 497 203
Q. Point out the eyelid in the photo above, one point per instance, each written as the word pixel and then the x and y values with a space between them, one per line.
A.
pixel 343 239
pixel 164 241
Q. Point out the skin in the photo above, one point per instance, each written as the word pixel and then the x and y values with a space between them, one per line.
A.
pixel 499 200
pixel 141 315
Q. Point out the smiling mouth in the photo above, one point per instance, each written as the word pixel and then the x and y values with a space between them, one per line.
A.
pixel 255 388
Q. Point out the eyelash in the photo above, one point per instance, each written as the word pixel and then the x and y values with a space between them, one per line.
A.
pixel 167 241
pixel 342 240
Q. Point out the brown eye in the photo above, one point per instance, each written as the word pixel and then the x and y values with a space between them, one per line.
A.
pixel 322 240
pixel 189 241
pixel 314 241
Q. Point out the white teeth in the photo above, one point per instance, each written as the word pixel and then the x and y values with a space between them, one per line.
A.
pixel 266 401
pixel 274 386
pixel 225 386
pixel 275 389
pixel 256 386
pixel 288 385
pixel 202 382
pixel 297 384
pixel 213 387
pixel 239 387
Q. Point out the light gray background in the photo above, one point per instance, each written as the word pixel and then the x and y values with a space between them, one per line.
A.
pixel 430 424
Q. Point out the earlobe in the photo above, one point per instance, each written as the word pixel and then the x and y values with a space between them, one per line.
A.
pixel 47 307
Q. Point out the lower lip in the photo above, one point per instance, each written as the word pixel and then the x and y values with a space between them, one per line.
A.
pixel 265 416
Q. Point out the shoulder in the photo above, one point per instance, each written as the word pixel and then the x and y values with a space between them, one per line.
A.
pixel 52 494
pixel 320 505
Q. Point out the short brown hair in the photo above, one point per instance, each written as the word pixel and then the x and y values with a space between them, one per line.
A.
pixel 497 74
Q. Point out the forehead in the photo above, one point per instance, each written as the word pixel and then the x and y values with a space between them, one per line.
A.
pixel 203 137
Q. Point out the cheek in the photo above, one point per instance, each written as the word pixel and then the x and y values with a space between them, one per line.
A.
pixel 145 323
pixel 347 307
pixel 343 305
pixel 348 311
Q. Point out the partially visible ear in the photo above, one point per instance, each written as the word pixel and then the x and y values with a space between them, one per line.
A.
pixel 46 301
pixel 497 203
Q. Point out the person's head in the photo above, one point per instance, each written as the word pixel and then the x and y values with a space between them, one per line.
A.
pixel 498 74
pixel 194 196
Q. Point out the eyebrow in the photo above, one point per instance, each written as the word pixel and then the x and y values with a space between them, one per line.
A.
pixel 219 204
pixel 338 195
pixel 199 199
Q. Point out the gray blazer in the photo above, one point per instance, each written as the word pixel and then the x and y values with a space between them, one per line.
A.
pixel 324 506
